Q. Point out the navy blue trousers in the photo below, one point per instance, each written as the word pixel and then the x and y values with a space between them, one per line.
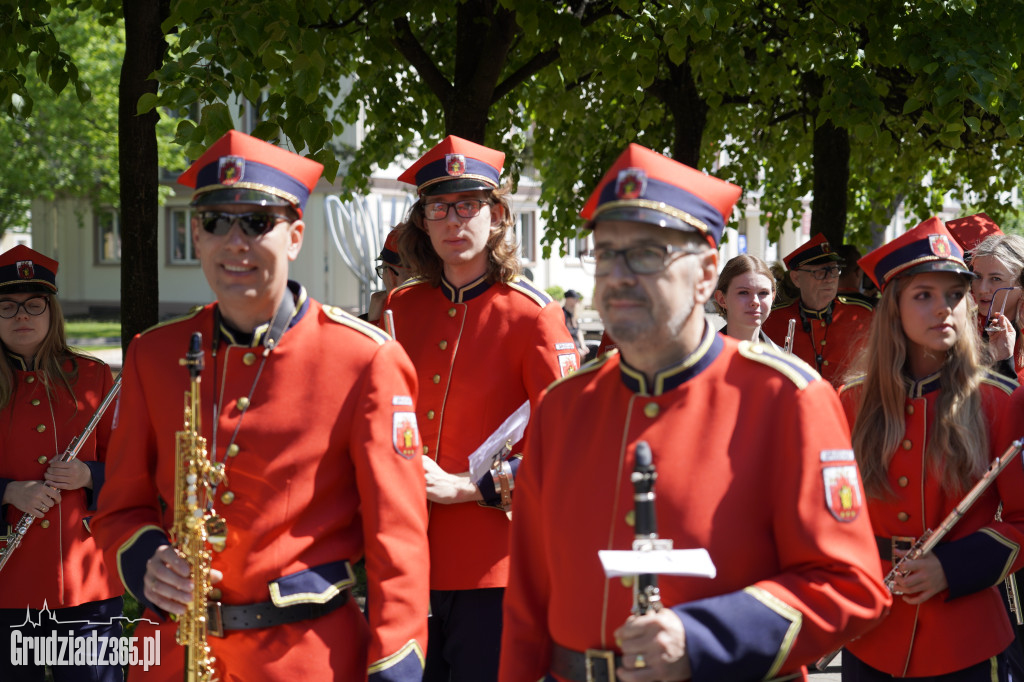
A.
pixel 464 633
pixel 855 670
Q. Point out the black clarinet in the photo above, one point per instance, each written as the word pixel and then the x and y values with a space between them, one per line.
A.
pixel 647 596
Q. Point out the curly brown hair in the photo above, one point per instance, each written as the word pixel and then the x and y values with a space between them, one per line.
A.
pixel 502 262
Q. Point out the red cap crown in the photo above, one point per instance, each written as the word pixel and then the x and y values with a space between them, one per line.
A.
pixel 23 270
pixel 929 247
pixel 241 169
pixel 645 186
pixel 455 165
pixel 389 253
pixel 972 230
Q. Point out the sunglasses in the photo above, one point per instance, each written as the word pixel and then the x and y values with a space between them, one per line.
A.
pixel 252 224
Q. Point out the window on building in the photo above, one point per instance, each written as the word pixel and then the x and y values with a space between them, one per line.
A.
pixel 251 117
pixel 180 235
pixel 108 236
pixel 526 233
pixel 577 246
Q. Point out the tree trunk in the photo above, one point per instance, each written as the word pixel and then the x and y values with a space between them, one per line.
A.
pixel 689 115
pixel 138 165
pixel 831 182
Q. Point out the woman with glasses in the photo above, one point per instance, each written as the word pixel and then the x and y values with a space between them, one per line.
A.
pixel 924 412
pixel 743 295
pixel 999 264
pixel 48 394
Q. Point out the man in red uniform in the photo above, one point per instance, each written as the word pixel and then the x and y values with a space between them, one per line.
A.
pixel 484 342
pixel 776 502
pixel 830 328
pixel 311 413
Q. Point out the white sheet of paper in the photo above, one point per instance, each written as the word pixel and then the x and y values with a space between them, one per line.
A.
pixel 512 429
pixel 691 562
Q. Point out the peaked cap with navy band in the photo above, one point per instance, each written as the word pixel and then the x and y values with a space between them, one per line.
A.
pixel 455 165
pixel 241 169
pixel 645 186
pixel 24 271
pixel 972 230
pixel 389 252
pixel 812 252
pixel 929 247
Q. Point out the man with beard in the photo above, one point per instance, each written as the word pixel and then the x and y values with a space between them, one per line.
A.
pixel 776 502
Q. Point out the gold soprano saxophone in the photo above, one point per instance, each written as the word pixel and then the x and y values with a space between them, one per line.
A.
pixel 197 529
pixel 71 452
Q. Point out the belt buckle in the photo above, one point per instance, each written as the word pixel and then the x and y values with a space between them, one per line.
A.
pixel 214 619
pixel 900 545
pixel 608 658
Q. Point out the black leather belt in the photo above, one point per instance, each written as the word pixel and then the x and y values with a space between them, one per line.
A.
pixel 223 618
pixel 887 547
pixel 592 665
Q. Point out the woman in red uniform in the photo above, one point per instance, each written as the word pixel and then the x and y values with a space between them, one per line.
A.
pixel 923 415
pixel 48 395
pixel 999 264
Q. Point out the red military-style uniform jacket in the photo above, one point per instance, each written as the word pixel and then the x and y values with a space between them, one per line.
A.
pixel 827 340
pixel 772 493
pixel 58 562
pixel 322 476
pixel 480 352
pixel 967 623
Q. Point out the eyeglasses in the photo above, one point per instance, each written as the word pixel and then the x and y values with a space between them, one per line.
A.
pixel 824 273
pixel 464 208
pixel 640 260
pixel 33 306
pixel 252 224
pixel 382 267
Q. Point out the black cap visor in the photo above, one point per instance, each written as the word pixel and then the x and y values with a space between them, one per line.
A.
pixel 254 197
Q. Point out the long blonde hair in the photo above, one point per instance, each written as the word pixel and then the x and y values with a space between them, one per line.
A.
pixel 50 359
pixel 502 262
pixel 957 449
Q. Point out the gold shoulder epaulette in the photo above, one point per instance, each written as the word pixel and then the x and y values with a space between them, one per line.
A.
pixel 341 317
pixel 850 300
pixel 526 287
pixel 192 312
pixel 412 281
pixel 852 383
pixel 585 368
pixel 998 380
pixel 798 371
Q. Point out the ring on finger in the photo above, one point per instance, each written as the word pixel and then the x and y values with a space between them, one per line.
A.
pixel 640 661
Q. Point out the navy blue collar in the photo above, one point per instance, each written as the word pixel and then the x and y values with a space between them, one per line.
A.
pixel 676 375
pixel 237 337
pixel 922 387
pixel 18 362
pixel 466 293
pixel 824 314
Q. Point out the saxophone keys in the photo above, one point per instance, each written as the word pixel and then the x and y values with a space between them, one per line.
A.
pixel 216 474
pixel 217 532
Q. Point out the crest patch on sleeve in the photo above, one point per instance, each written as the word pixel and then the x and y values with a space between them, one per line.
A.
pixel 842 492
pixel 406 435
pixel 568 363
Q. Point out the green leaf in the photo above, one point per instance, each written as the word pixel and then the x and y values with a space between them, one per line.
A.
pixel 146 103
